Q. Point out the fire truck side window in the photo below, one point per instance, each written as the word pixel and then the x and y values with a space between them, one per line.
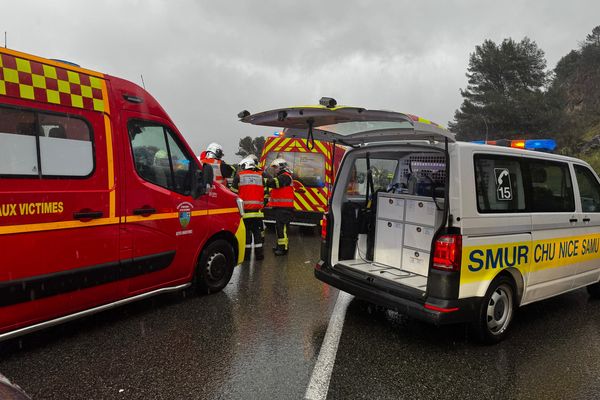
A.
pixel 62 135
pixel 158 157
pixel 18 154
pixel 22 132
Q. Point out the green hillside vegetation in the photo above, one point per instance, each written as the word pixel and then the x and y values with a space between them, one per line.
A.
pixel 511 94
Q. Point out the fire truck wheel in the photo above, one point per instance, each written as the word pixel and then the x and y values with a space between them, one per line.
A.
pixel 594 290
pixel 496 312
pixel 215 267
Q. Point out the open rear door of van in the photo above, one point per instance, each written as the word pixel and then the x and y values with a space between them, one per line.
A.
pixel 348 125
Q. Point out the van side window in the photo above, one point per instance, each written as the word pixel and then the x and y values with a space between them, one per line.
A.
pixel 499 184
pixel 551 186
pixel 589 189
pixel 158 156
pixel 42 145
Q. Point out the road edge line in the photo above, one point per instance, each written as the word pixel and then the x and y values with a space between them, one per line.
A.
pixel 318 386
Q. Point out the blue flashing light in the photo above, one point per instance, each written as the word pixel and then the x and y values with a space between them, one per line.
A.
pixel 277 134
pixel 541 144
pixel 478 141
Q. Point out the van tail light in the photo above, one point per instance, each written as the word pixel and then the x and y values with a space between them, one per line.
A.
pixel 324 227
pixel 447 253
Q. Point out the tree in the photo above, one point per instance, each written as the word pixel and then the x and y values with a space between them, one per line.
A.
pixel 576 91
pixel 249 146
pixel 504 96
pixel 594 37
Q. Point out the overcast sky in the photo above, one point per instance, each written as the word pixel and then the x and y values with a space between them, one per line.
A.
pixel 207 60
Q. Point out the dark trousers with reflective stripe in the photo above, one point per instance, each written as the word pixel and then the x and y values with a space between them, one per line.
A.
pixel 283 216
pixel 254 230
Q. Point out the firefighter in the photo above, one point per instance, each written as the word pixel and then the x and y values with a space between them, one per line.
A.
pixel 249 185
pixel 282 201
pixel 214 156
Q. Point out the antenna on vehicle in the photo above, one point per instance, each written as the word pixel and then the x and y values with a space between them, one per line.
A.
pixel 5 39
pixel 143 84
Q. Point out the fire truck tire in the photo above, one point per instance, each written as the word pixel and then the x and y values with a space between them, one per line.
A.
pixel 215 267
pixel 594 290
pixel 496 312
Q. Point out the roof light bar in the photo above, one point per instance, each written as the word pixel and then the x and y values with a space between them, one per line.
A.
pixel 547 145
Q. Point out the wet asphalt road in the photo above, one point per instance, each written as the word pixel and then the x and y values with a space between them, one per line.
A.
pixel 553 353
pixel 260 337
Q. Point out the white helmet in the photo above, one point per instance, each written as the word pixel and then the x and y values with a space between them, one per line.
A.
pixel 248 163
pixel 279 164
pixel 214 150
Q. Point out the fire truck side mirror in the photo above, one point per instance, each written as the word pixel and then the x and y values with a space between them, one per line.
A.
pixel 202 181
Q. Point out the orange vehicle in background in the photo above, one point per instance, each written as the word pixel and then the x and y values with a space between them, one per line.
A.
pixel 314 165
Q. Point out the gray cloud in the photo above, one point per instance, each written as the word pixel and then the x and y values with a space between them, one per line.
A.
pixel 205 60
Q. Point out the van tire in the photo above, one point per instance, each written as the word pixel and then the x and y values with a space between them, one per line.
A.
pixel 215 267
pixel 496 312
pixel 594 290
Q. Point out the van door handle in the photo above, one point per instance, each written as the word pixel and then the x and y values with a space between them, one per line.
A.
pixel 586 220
pixel 300 190
pixel 573 220
pixel 81 215
pixel 144 211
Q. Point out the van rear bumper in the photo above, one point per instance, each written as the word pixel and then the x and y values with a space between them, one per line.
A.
pixel 440 311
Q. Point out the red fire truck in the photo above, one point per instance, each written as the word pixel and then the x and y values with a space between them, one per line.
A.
pixel 314 165
pixel 102 201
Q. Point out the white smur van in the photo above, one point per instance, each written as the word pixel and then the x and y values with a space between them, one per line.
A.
pixel 448 231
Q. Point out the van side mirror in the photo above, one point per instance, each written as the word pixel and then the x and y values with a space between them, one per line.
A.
pixel 202 181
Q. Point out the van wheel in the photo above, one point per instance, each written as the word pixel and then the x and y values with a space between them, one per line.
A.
pixel 496 312
pixel 215 267
pixel 594 290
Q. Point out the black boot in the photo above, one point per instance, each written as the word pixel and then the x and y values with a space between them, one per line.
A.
pixel 247 254
pixel 280 251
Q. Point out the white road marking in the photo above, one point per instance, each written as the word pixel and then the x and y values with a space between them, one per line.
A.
pixel 319 381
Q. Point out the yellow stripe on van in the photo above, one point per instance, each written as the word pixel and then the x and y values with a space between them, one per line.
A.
pixel 111 167
pixel 223 211
pixel 281 146
pixel 151 217
pixel 483 263
pixel 105 97
pixel 320 196
pixel 300 199
pixel 51 226
pixel 270 144
pixel 323 149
